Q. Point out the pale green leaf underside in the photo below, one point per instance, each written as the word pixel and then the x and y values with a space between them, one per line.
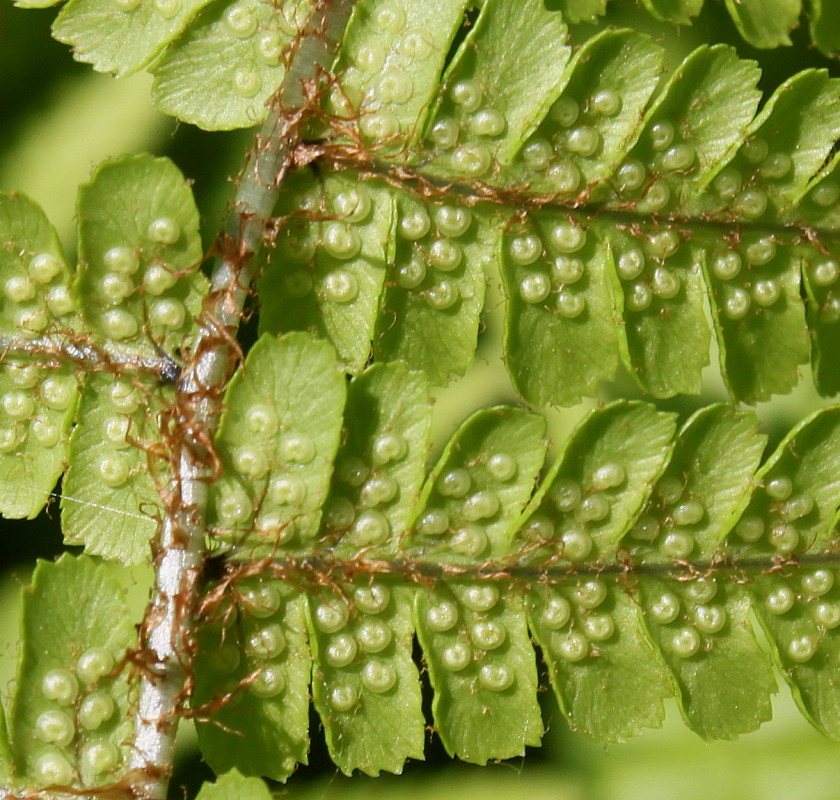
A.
pixel 222 72
pixel 37 396
pixel 381 463
pixel 365 684
pixel 390 64
pixel 277 442
pixel 332 271
pixel 514 111
pixel 122 36
pixel 109 500
pixel 70 716
pixel 258 652
pixel 139 249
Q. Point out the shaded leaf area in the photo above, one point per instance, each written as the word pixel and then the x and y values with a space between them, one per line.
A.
pixel 622 206
pixel 92 349
pixel 70 720
pixel 638 561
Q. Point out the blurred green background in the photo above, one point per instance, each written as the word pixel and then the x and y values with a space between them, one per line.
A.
pixel 58 119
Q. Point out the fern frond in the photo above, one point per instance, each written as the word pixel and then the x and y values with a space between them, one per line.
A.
pixel 90 347
pixel 69 716
pixel 630 208
pixel 636 562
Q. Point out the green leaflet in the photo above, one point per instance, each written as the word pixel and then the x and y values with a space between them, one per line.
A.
pixel 702 493
pixel 501 81
pixel 561 326
pixel 482 668
pixel 480 661
pixel 703 111
pixel 330 262
pixel 70 712
pixel 233 786
pixel 793 506
pixel 478 488
pixel 277 441
pixel 109 500
pixel 254 662
pixel 365 684
pixel 435 290
pixel 765 23
pixel 662 295
pixel 598 486
pixel 800 122
pixel 794 511
pixel 703 630
pixel 758 313
pixel 139 249
pixel 34 272
pixel 590 127
pixel 800 616
pixel 37 409
pixel 582 10
pixel 122 36
pixel 606 676
pixel 221 73
pixel 380 465
pixel 703 627
pixel 820 272
pixel 390 64
pixel 37 395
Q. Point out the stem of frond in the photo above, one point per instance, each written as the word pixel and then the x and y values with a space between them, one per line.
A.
pixel 166 650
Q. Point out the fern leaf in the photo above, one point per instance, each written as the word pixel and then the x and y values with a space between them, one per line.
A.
pixel 253 651
pixel 331 260
pixel 559 345
pixel 474 635
pixel 431 307
pixel 37 394
pixel 365 684
pixel 604 671
pixel 139 249
pixel 69 719
pixel 390 64
pixel 796 508
pixel 637 565
pixel 823 31
pixel 482 669
pixel 277 442
pixel 679 11
pixel 582 10
pixel 694 505
pixel 247 39
pixel 763 23
pixel 605 91
pixel 476 491
pixel 122 37
pixel 109 500
pixel 501 81
pixel 380 467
